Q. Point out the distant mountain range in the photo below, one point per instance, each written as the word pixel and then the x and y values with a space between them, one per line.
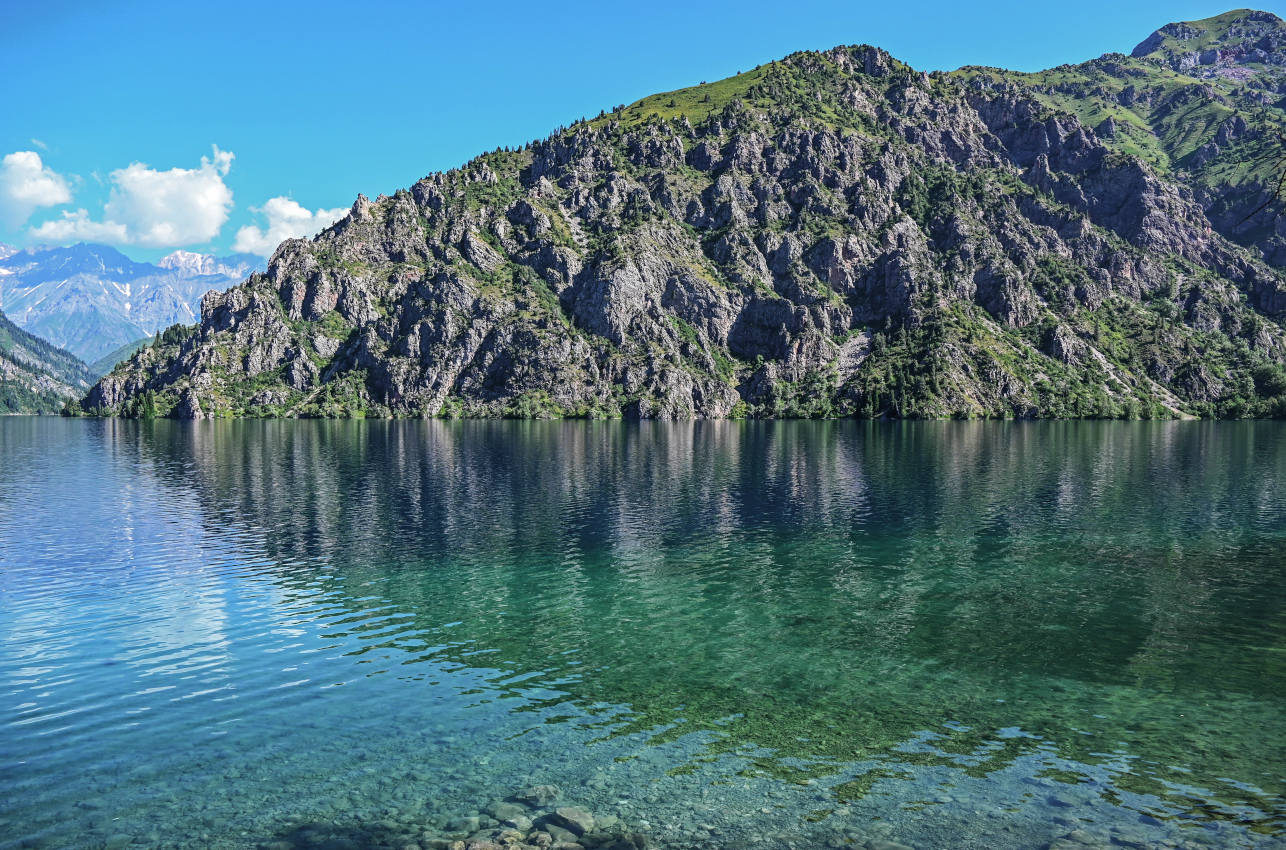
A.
pixel 36 377
pixel 92 299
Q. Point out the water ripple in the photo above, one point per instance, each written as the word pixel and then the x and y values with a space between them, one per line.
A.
pixel 211 634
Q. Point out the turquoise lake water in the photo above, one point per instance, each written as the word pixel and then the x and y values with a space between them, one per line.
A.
pixel 794 634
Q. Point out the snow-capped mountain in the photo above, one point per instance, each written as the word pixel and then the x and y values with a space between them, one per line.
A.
pixel 92 299
pixel 192 264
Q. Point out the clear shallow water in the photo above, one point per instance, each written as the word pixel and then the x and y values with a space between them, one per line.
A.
pixel 727 634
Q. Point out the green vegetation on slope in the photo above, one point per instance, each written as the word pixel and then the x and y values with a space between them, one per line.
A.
pixel 107 362
pixel 36 376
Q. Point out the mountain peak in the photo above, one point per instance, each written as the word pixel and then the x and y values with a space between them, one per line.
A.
pixel 188 263
pixel 67 260
pixel 1235 44
pixel 192 264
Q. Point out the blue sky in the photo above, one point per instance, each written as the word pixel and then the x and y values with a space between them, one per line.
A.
pixel 110 108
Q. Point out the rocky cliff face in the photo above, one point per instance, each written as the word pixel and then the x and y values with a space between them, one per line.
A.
pixel 830 234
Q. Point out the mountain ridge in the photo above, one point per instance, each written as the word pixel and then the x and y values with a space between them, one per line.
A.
pixel 834 233
pixel 92 299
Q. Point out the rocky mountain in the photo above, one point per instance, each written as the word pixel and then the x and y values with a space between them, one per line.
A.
pixel 92 299
pixel 831 234
pixel 1231 46
pixel 36 377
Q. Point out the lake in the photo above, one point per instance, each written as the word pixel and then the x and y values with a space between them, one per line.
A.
pixel 720 634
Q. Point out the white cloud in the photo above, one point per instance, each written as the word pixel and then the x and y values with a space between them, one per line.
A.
pixel 79 227
pixel 286 220
pixel 40 144
pixel 159 209
pixel 27 184
pixel 162 209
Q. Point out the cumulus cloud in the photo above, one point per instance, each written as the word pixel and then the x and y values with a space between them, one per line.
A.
pixel 286 220
pixel 79 227
pixel 27 184
pixel 159 209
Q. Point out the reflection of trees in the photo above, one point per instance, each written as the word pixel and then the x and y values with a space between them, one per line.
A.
pixel 844 583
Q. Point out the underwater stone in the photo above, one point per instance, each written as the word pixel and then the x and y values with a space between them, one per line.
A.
pixel 559 833
pixel 538 795
pixel 574 818
pixel 466 824
pixel 506 813
pixel 521 823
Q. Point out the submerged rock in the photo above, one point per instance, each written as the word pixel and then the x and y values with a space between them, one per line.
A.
pixel 559 832
pixel 573 818
pixel 537 795
pixel 507 813
pixel 469 823
pixel 568 827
